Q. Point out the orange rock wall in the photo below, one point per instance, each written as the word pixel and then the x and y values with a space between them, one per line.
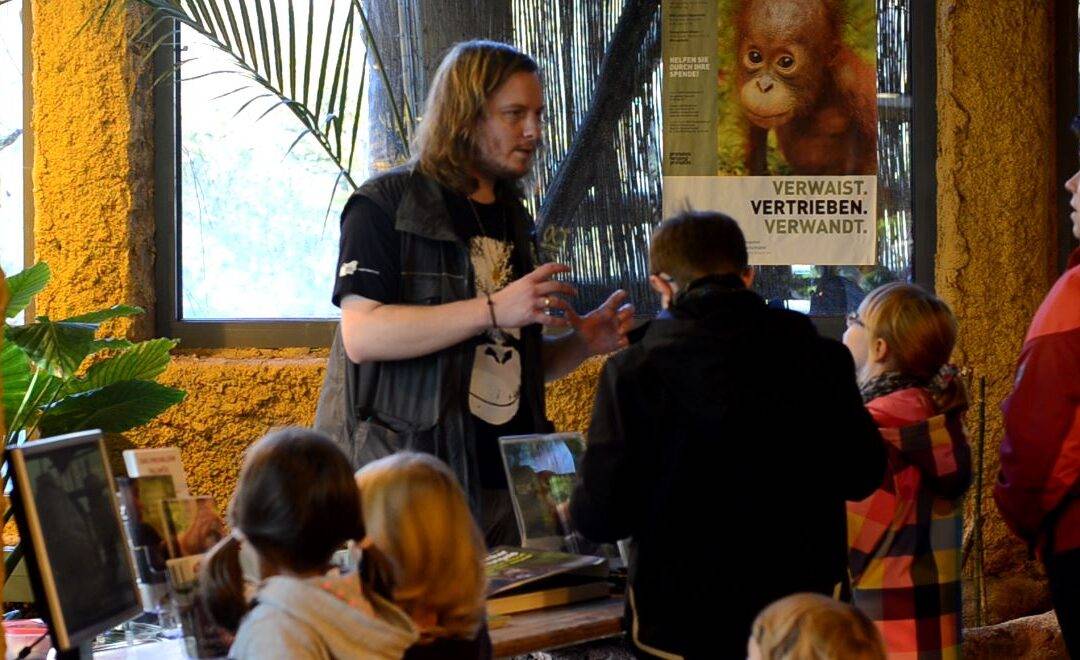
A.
pixel 997 224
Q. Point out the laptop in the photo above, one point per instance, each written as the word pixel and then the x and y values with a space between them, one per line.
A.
pixel 541 472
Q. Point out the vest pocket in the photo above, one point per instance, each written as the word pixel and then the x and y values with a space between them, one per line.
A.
pixel 409 393
pixel 372 441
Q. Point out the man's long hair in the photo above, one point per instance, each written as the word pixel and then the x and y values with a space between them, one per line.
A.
pixel 444 147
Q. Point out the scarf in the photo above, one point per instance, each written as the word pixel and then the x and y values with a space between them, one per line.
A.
pixel 892 381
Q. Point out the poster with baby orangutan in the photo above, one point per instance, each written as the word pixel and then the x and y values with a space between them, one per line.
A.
pixel 770 116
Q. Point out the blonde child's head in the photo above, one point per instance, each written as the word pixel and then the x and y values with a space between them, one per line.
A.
pixel 901 327
pixel 812 627
pixel 417 516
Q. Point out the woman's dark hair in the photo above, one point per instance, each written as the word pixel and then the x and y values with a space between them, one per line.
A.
pixel 296 501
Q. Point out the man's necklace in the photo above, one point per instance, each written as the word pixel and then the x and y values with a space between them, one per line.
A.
pixel 480 224
pixel 490 258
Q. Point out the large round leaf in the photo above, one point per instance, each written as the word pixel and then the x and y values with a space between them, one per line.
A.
pixel 17 375
pixel 114 408
pixel 24 286
pixel 58 347
pixel 143 361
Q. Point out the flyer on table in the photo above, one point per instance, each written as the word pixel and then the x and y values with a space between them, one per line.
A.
pixel 770 116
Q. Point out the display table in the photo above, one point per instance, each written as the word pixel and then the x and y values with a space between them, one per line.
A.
pixel 556 627
pixel 516 634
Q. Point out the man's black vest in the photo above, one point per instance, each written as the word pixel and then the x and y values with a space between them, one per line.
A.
pixel 422 404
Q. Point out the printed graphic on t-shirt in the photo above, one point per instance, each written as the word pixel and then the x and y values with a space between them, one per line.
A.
pixel 495 388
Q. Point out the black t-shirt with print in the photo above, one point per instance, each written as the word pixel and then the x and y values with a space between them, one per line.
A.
pixel 369 265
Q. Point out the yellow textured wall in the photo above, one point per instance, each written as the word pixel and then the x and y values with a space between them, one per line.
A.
pixel 570 399
pixel 93 163
pixel 996 227
pixel 234 396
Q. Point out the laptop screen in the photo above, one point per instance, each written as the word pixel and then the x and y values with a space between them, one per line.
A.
pixel 541 471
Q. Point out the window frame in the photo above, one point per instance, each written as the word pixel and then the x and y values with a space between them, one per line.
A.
pixel 28 143
pixel 232 333
pixel 27 192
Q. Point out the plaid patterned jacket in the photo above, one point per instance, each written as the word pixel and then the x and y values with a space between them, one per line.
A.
pixel 904 540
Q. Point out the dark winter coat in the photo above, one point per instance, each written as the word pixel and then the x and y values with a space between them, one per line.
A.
pixel 725 443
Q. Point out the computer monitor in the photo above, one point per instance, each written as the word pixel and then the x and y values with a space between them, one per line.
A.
pixel 67 514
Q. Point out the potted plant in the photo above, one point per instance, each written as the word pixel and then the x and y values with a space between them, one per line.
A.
pixel 59 376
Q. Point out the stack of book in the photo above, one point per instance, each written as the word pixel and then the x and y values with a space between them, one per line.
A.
pixel 521 579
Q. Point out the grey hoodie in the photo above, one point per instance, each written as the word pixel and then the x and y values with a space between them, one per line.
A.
pixel 321 617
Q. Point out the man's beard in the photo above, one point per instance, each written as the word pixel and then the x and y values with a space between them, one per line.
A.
pixel 496 171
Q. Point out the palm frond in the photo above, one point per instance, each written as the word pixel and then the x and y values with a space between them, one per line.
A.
pixel 315 65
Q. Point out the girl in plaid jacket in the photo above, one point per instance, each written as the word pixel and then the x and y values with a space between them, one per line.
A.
pixel 904 540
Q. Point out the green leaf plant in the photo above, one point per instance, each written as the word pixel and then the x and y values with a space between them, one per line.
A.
pixel 44 390
pixel 304 65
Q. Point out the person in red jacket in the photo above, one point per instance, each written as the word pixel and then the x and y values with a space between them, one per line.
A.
pixel 1038 489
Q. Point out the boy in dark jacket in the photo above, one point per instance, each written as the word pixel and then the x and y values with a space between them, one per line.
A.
pixel 725 443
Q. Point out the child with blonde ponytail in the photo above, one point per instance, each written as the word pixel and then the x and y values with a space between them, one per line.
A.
pixel 417 516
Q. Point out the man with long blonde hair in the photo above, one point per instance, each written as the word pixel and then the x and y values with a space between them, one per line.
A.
pixel 442 303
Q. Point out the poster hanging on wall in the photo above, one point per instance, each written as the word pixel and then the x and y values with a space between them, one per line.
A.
pixel 770 116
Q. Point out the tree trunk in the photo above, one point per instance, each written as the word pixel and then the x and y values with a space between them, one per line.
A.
pixel 412 37
pixel 434 26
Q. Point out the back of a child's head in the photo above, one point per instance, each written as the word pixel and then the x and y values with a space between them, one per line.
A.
pixel 813 627
pixel 295 502
pixel 416 514
pixel 920 331
pixel 694 244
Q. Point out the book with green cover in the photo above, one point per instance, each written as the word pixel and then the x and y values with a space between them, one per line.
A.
pixel 192 525
pixel 509 568
pixel 140 507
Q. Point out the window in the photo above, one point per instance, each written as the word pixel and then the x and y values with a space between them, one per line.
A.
pixel 251 224
pixel 607 239
pixel 14 153
pixel 247 250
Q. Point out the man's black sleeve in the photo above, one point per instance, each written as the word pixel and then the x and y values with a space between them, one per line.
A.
pixel 603 503
pixel 860 451
pixel 369 256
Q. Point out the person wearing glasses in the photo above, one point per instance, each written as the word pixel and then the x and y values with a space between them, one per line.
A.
pixel 904 540
pixel 1038 489
pixel 728 416
pixel 442 301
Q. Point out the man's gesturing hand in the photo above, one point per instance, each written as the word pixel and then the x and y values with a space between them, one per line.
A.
pixel 525 301
pixel 604 329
